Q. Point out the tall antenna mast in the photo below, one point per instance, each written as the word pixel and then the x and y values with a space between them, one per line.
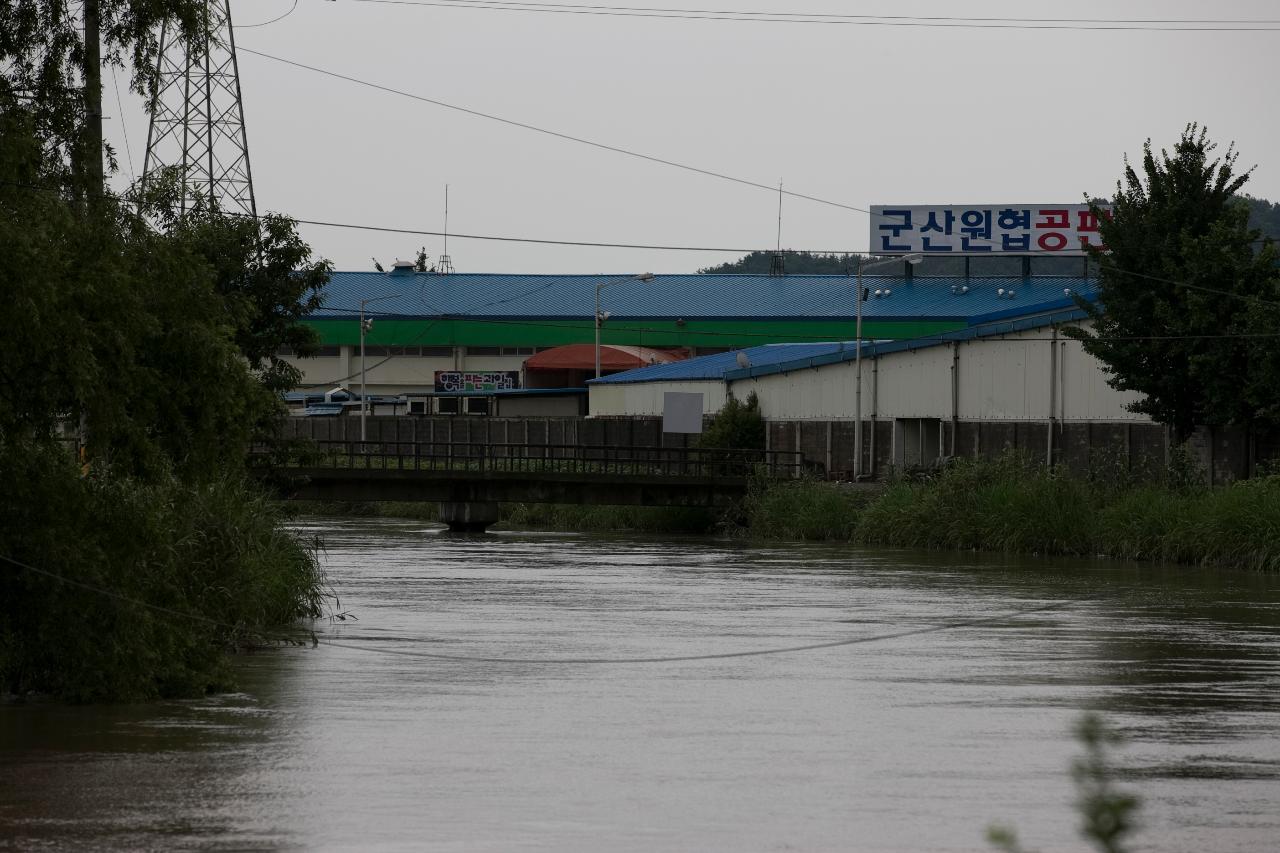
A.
pixel 779 216
pixel 197 129
pixel 446 264
pixel 777 266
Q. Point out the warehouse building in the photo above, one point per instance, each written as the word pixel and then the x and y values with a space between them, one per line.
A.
pixel 425 323
pixel 1001 382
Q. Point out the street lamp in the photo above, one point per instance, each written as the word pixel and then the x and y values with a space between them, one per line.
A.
pixel 645 277
pixel 365 326
pixel 912 259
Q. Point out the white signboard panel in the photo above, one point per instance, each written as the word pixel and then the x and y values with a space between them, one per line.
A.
pixel 1062 229
pixel 681 412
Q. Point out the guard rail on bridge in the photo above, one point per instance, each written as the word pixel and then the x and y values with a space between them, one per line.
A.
pixel 608 462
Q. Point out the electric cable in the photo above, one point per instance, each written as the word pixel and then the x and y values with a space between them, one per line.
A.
pixel 341 644
pixel 124 131
pixel 545 131
pixel 593 144
pixel 292 9
pixel 935 22
pixel 808 338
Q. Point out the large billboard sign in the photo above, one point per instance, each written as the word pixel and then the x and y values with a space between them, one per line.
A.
pixel 1021 229
pixel 454 381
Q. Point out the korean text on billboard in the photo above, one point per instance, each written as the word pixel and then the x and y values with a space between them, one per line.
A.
pixel 1064 229
pixel 453 381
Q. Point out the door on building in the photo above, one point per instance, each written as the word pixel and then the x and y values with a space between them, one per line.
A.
pixel 917 443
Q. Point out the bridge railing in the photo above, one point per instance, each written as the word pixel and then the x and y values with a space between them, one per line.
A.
pixel 550 458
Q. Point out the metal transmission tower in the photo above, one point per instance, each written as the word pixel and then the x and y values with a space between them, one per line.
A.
pixel 197 117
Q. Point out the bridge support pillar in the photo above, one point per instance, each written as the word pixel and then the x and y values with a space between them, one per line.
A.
pixel 468 516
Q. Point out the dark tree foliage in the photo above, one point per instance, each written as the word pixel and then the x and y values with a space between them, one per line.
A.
pixel 155 339
pixel 796 263
pixel 737 426
pixel 1182 279
pixel 42 54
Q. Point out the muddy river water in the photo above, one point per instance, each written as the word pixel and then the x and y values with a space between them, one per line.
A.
pixel 526 691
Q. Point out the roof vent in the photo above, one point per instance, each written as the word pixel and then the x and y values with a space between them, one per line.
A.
pixel 402 268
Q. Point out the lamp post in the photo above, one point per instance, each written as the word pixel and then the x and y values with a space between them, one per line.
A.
pixel 912 259
pixel 645 277
pixel 365 326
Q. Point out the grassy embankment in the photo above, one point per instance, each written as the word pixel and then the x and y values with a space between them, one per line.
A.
pixel 1008 505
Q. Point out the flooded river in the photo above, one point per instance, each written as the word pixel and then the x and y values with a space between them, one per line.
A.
pixel 517 692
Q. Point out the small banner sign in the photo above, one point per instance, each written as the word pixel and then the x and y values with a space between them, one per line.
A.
pixel 681 412
pixel 1019 229
pixel 454 381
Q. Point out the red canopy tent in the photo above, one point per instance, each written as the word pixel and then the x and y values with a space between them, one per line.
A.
pixel 572 365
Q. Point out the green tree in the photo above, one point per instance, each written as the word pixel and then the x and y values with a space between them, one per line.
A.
pixel 128 578
pixel 1183 278
pixel 737 426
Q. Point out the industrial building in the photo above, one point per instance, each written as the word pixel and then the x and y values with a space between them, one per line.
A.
pixel 424 323
pixel 1001 382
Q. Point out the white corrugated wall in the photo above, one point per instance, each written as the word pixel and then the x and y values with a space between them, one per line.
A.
pixel 638 399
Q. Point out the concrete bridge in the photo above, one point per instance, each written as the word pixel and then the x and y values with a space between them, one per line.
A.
pixel 468 481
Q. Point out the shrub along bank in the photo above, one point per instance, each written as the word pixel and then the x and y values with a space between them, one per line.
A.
pixel 159 580
pixel 1009 504
pixel 1015 506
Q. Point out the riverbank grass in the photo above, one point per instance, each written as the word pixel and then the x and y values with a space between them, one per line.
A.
pixel 1009 504
pixel 1016 506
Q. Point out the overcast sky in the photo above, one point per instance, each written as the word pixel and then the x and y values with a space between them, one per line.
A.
pixel 857 114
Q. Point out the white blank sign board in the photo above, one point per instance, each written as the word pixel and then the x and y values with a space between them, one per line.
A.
pixel 681 412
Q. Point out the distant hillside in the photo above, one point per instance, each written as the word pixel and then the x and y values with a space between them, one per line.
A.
pixel 1263 215
pixel 795 263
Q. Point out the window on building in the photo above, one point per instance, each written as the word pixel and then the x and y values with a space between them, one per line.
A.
pixel 320 352
pixel 501 351
pixel 437 352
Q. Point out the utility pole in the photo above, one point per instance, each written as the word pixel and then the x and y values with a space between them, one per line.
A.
pixel 91 155
pixel 90 165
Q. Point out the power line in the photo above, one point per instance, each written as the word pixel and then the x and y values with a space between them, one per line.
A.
pixel 912 632
pixel 547 132
pixel 292 9
pixel 124 131
pixel 548 242
pixel 660 247
pixel 808 647
pixel 935 22
pixel 591 143
pixel 938 338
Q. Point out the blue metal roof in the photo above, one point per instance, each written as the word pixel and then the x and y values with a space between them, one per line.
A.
pixel 782 358
pixel 718 365
pixel 758 297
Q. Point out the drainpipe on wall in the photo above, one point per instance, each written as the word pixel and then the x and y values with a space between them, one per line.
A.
pixel 875 408
pixel 1053 394
pixel 955 394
